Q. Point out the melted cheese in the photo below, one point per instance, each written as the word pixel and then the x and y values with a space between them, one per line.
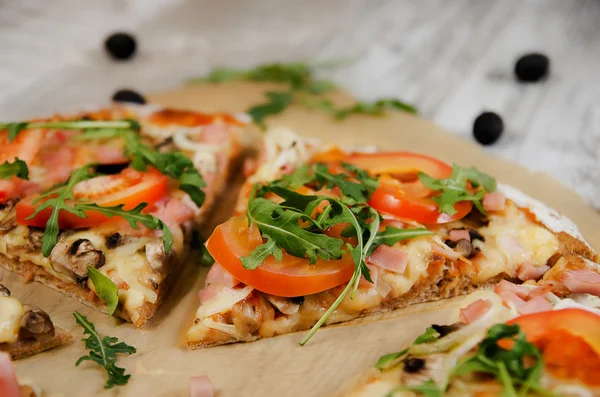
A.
pixel 11 312
pixel 511 240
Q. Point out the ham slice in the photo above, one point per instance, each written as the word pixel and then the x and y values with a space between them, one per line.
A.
pixel 201 386
pixel 494 201
pixel 173 211
pixel 459 234
pixel 535 305
pixel 528 271
pixel 582 281
pixel 519 290
pixel 389 258
pixel 510 299
pixel 218 275
pixel 474 311
pixel 9 387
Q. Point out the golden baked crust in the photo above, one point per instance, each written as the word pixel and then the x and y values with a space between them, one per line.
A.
pixel 22 349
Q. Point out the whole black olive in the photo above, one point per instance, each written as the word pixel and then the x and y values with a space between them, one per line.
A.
pixel 531 68
pixel 488 128
pixel 128 96
pixel 120 46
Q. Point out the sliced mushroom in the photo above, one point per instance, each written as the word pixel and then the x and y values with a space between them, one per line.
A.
pixel 73 258
pixel 8 218
pixel 155 253
pixel 35 323
pixel 249 314
pixel 35 238
pixel 284 305
pixel 4 291
pixel 464 247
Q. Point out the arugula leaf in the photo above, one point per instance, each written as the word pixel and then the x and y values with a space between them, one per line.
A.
pixel 105 289
pixel 295 180
pixel 454 189
pixel 261 253
pixel 103 351
pixel 277 102
pixel 16 127
pixel 357 191
pixel 57 200
pixel 205 258
pixel 388 360
pixel 427 389
pixel 17 168
pixel 377 108
pixel 391 235
pixel 133 217
pixel 282 225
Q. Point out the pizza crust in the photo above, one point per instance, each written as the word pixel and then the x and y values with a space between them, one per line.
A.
pixel 30 347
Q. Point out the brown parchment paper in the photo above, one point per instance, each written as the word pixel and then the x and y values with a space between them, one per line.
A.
pixel 337 355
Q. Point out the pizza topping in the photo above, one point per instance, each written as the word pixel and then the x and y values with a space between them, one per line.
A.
pixel 11 312
pixel 217 298
pixel 528 271
pixel 474 311
pixel 103 351
pixel 35 323
pixel 582 280
pixel 494 201
pixel 201 386
pixel 459 234
pixel 3 290
pixel 9 387
pixel 218 275
pixel 521 291
pixel 389 258
pixel 74 257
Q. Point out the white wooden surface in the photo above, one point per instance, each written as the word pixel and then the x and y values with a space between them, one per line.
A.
pixel 452 59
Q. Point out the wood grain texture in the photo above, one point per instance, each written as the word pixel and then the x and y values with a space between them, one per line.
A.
pixel 452 59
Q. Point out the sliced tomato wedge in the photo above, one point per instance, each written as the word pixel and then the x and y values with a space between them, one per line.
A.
pixel 129 188
pixel 401 193
pixel 290 277
pixel 188 118
pixel 569 340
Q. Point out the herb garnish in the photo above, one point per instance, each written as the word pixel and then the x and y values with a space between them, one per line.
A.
pixel 16 127
pixel 303 88
pixel 390 359
pixel 455 189
pixel 60 198
pixel 297 224
pixel 103 351
pixel 17 168
pixel 105 289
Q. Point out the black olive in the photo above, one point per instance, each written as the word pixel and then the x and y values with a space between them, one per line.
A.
pixel 488 128
pixel 110 169
pixel 444 330
pixel 412 365
pixel 120 46
pixel 532 67
pixel 114 240
pixel 297 299
pixel 475 235
pixel 128 96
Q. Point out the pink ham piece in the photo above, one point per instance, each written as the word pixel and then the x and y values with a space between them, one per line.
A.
pixel 495 201
pixel 459 234
pixel 506 286
pixel 474 311
pixel 58 163
pixel 583 281
pixel 173 211
pixel 9 387
pixel 389 258
pixel 535 305
pixel 218 275
pixel 528 271
pixel 209 293
pixel 509 298
pixel 215 134
pixel 201 386
pixel 110 155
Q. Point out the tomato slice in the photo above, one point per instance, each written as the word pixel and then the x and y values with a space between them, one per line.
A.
pixel 569 340
pixel 400 192
pixel 188 118
pixel 25 146
pixel 129 188
pixel 290 277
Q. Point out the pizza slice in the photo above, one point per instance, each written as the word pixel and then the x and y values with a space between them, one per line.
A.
pixel 325 235
pixel 100 205
pixel 492 350
pixel 26 330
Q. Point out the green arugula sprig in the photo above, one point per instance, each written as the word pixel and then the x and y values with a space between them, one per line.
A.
pixel 103 351
pixel 17 168
pixel 16 127
pixel 60 198
pixel 296 225
pixel 455 189
pixel 105 289
pixel 303 88
pixel 389 360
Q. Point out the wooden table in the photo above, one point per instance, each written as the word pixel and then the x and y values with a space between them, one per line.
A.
pixel 452 59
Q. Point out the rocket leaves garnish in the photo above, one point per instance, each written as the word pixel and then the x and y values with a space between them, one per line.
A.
pixel 103 351
pixel 105 289
pixel 61 198
pixel 388 360
pixel 391 235
pixel 455 188
pixel 17 168
pixel 302 88
pixel 15 128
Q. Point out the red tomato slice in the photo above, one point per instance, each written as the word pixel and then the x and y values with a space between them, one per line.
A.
pixel 25 146
pixel 569 340
pixel 129 188
pixel 291 277
pixel 189 119
pixel 401 193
